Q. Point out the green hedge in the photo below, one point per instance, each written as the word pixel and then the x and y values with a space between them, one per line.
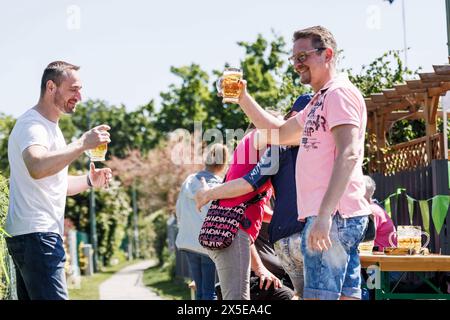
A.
pixel 4 194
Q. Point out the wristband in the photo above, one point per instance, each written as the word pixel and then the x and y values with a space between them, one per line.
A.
pixel 89 183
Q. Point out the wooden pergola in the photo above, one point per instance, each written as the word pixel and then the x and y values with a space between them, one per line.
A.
pixel 415 99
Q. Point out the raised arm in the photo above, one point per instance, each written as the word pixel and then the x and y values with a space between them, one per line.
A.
pixel 289 132
pixel 42 163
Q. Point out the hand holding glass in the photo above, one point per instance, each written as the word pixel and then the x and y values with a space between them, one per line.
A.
pixel 98 153
pixel 228 85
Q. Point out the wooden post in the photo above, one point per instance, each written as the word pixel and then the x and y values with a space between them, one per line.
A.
pixel 380 132
pixel 430 112
pixel 440 187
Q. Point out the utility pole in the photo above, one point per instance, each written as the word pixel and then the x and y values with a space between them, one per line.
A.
pixel 135 222
pixel 92 220
pixel 447 5
pixel 405 46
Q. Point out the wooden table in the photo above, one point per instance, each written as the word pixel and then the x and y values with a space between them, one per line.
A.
pixel 406 263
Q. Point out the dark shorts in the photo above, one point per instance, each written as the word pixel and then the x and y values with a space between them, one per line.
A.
pixel 39 259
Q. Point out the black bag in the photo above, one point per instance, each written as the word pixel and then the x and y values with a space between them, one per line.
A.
pixel 371 229
pixel 221 224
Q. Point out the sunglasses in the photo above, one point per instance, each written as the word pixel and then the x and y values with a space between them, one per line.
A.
pixel 303 55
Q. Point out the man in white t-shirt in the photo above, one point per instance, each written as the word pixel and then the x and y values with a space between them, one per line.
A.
pixel 39 183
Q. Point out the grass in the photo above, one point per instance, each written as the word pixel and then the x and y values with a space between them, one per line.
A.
pixel 90 284
pixel 159 280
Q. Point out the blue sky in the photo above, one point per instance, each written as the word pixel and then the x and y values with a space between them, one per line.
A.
pixel 126 48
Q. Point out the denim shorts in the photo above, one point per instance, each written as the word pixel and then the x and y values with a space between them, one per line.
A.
pixel 336 272
pixel 289 252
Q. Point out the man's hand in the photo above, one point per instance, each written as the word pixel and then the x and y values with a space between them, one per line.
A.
pixel 201 197
pixel 243 87
pixel 95 137
pixel 319 236
pixel 100 177
pixel 268 277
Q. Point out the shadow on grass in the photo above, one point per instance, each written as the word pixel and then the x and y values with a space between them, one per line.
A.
pixel 160 281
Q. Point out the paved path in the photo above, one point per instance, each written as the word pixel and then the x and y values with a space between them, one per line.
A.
pixel 127 284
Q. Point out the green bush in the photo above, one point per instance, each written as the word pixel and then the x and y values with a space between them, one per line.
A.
pixel 159 222
pixel 112 209
pixel 4 280
pixel 147 236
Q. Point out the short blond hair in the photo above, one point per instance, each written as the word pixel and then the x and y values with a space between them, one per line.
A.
pixel 216 157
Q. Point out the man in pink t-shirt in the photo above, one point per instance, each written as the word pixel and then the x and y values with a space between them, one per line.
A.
pixel 329 178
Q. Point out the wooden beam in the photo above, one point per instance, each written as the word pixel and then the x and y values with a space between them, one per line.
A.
pixel 402 115
pixel 432 77
pixel 391 94
pixel 418 84
pixel 404 104
pixel 404 89
pixel 439 91
pixel 433 112
pixel 442 69
pixel 378 97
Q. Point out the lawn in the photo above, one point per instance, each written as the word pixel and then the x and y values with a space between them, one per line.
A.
pixel 90 284
pixel 158 279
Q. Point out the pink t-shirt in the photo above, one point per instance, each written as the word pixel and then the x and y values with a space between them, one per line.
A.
pixel 385 226
pixel 338 102
pixel 245 157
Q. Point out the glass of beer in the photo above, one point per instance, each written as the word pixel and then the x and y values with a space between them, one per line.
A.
pixel 366 247
pixel 410 237
pixel 228 85
pixel 99 153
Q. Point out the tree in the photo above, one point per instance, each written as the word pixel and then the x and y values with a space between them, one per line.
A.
pixel 112 208
pixel 129 130
pixel 185 103
pixel 6 125
pixel 383 73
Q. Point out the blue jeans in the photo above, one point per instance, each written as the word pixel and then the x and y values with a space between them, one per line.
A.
pixel 337 271
pixel 39 260
pixel 203 272
pixel 289 252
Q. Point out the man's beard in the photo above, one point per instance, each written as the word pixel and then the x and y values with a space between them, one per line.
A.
pixel 62 104
pixel 305 78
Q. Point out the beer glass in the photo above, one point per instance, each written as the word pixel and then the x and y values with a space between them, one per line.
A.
pixel 366 247
pixel 228 85
pixel 410 237
pixel 98 153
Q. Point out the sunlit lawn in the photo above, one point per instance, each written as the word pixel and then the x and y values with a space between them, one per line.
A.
pixel 159 281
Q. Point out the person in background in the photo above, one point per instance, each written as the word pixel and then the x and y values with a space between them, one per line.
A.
pixel 383 223
pixel 201 267
pixel 234 262
pixel 284 230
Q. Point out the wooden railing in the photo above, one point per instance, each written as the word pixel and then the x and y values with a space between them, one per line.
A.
pixel 413 154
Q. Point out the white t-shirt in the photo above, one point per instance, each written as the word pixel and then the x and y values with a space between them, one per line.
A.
pixel 35 205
